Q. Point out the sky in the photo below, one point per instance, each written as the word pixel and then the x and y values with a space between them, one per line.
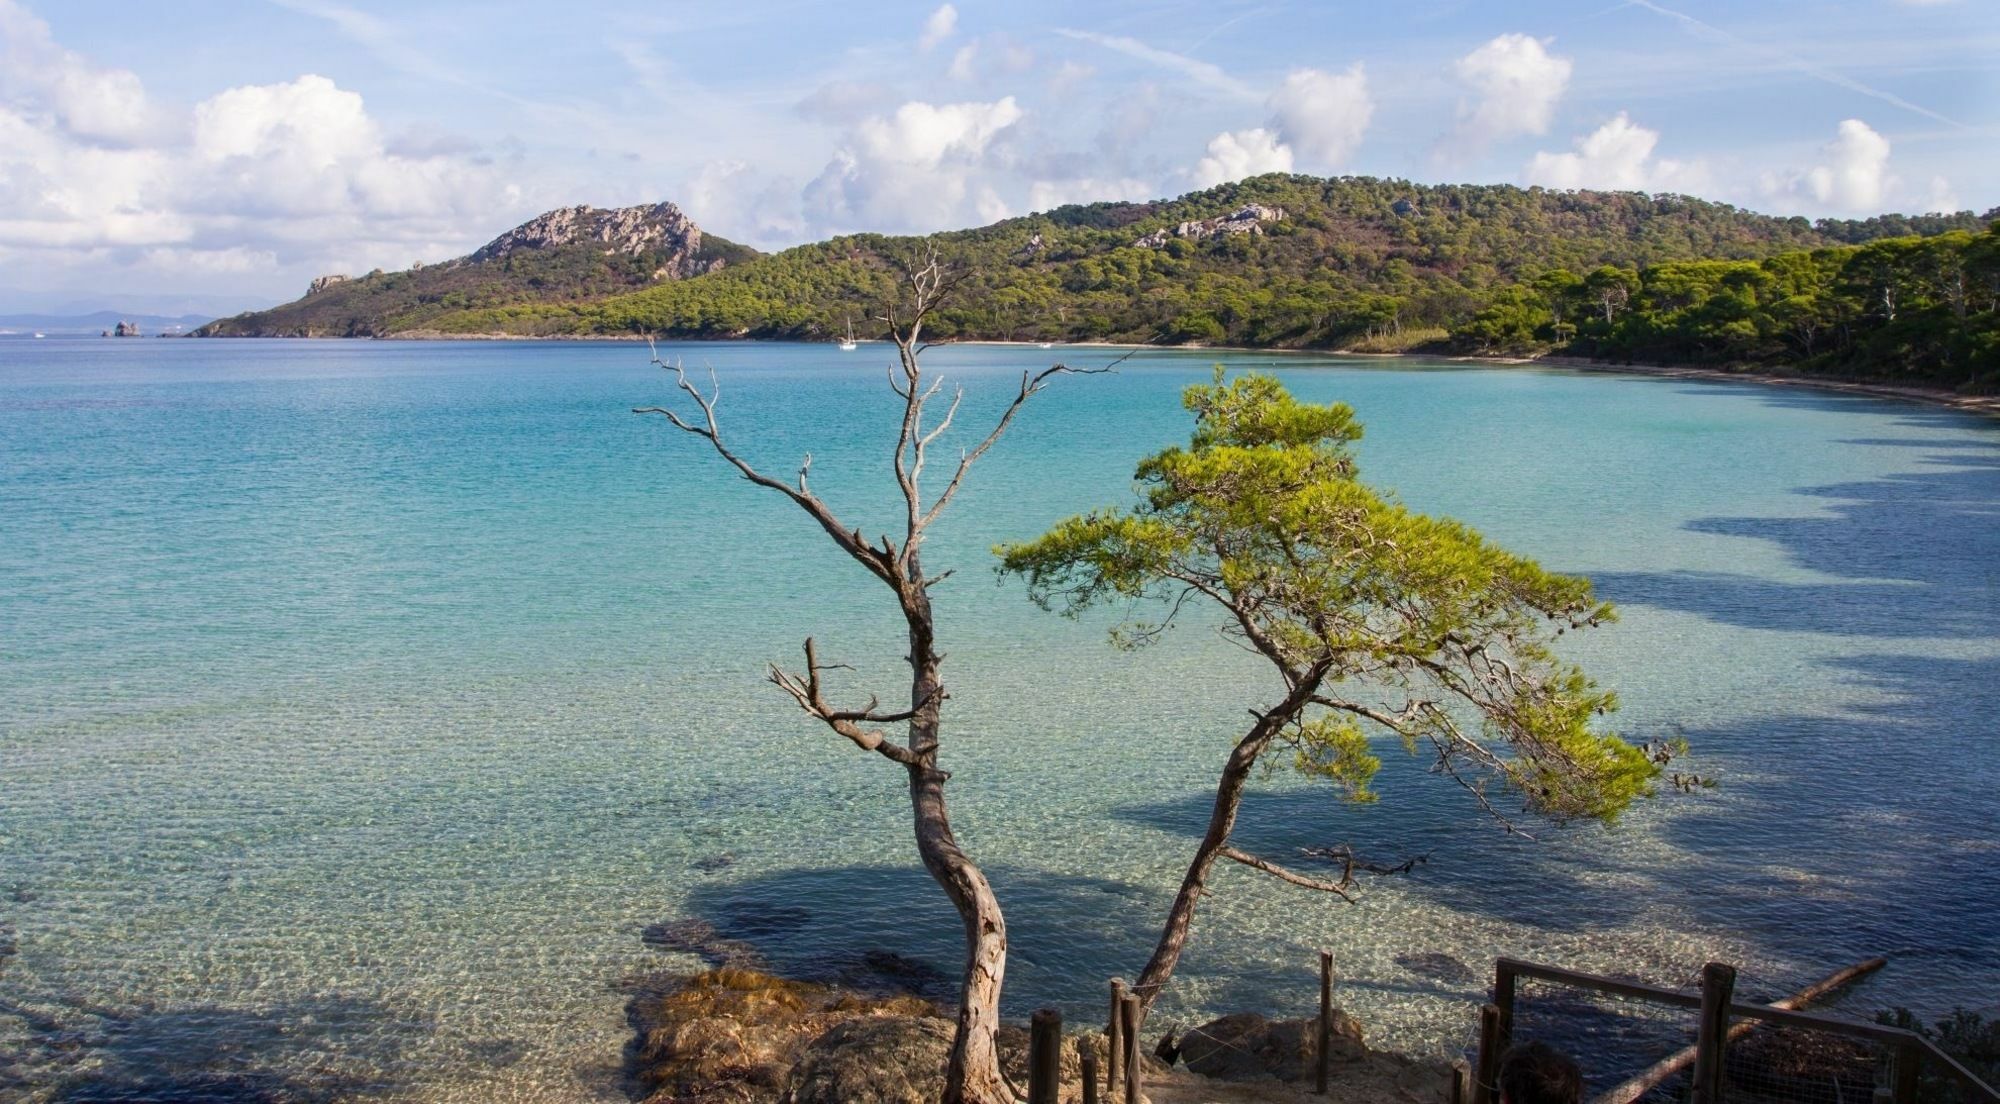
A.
pixel 215 155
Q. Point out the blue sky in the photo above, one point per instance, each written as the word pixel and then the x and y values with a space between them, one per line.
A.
pixel 238 147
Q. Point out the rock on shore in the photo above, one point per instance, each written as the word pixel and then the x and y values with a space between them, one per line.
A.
pixel 738 1036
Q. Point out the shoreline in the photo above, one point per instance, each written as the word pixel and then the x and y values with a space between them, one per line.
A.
pixel 1980 405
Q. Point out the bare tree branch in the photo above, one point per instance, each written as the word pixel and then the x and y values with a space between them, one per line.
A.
pixel 847 722
pixel 1283 874
pixel 883 566
pixel 1031 385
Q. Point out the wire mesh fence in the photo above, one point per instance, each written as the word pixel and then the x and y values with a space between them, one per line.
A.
pixel 1639 1042
pixel 1614 1038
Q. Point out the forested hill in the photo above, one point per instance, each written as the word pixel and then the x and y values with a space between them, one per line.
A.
pixel 1292 261
pixel 1313 263
pixel 573 253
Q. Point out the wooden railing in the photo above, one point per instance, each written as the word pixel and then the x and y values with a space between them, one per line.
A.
pixel 1718 1009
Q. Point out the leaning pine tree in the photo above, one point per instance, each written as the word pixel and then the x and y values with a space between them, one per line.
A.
pixel 1378 621
pixel 973 1074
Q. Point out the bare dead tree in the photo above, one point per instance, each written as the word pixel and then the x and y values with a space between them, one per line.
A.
pixel 973 1075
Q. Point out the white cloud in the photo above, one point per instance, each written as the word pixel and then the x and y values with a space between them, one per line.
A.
pixel 731 198
pixel 1851 175
pixel 914 170
pixel 1856 171
pixel 939 26
pixel 1943 199
pixel 1321 115
pixel 1236 154
pixel 925 134
pixel 256 178
pixel 41 79
pixel 1517 82
pixel 990 55
pixel 1617 156
pixel 964 63
pixel 843 102
pixel 1068 75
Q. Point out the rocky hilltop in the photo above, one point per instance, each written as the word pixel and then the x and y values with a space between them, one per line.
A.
pixel 626 231
pixel 565 255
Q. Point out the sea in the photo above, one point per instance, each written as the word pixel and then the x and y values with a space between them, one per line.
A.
pixel 364 705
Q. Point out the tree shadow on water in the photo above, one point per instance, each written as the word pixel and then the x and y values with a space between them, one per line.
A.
pixel 1865 830
pixel 1917 553
pixel 297 1052
pixel 891 927
pixel 1470 862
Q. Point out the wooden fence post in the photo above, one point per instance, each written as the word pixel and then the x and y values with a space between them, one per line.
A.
pixel 1135 1066
pixel 1909 1071
pixel 1089 1061
pixel 1461 1092
pixel 1504 984
pixel 1044 1056
pixel 1718 986
pixel 1115 1035
pixel 1325 1020
pixel 1489 1056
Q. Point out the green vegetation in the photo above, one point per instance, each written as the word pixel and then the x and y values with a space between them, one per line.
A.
pixel 1922 310
pixel 1356 263
pixel 1970 1038
pixel 1376 621
pixel 383 303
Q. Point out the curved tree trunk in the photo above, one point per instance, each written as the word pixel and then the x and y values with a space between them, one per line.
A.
pixel 1221 822
pixel 973 1076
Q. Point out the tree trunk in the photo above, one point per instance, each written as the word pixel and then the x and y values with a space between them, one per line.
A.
pixel 973 1076
pixel 1221 822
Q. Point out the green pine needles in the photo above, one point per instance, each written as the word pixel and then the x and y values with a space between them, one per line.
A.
pixel 1399 623
pixel 1380 621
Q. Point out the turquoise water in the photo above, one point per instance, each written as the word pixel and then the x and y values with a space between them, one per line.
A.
pixel 361 704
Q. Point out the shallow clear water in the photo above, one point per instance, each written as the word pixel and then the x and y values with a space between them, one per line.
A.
pixel 361 703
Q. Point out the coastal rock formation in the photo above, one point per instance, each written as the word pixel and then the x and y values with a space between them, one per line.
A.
pixel 1248 219
pixel 125 329
pixel 884 1060
pixel 735 1035
pixel 1245 1046
pixel 623 231
pixel 569 255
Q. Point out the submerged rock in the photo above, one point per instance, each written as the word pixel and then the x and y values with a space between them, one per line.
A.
pixel 886 973
pixel 1245 1046
pixel 701 939
pixel 1436 965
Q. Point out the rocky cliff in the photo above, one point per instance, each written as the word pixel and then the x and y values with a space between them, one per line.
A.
pixel 565 255
pixel 660 228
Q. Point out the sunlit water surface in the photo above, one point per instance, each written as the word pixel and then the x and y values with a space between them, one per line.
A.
pixel 361 703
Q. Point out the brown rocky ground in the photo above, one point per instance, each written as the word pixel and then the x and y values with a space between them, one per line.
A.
pixel 736 1036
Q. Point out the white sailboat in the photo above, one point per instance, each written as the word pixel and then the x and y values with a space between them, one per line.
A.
pixel 847 345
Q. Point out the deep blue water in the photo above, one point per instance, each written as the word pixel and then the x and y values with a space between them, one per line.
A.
pixel 361 703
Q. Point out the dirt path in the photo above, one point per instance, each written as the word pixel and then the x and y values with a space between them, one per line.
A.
pixel 1379 1079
